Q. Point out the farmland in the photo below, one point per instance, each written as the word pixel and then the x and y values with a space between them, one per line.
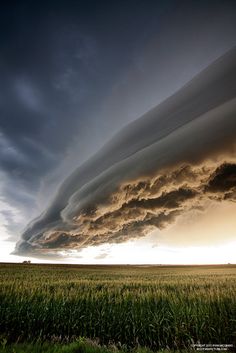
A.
pixel 159 307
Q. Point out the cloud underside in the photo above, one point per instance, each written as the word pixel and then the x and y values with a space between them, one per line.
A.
pixel 178 158
pixel 139 206
pixel 187 171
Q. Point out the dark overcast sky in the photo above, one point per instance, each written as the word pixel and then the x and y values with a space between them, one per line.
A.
pixel 72 73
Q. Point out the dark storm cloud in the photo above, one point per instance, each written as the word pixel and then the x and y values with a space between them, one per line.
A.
pixel 223 179
pixel 178 157
pixel 53 65
pixel 72 73
pixel 58 62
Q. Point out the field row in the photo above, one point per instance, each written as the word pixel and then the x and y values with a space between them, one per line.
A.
pixel 160 308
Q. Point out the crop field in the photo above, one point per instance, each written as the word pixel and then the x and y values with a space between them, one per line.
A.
pixel 158 307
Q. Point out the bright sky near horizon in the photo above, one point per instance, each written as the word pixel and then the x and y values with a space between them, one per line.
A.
pixel 172 246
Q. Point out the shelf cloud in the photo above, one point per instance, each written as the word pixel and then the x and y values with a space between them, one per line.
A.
pixel 178 157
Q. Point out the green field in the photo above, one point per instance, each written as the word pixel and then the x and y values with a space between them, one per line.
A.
pixel 126 307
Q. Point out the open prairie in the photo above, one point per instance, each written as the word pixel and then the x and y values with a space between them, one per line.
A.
pixel 159 307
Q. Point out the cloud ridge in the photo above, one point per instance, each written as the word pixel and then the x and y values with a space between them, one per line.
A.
pixel 178 157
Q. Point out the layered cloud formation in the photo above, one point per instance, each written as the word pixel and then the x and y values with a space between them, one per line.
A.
pixel 177 158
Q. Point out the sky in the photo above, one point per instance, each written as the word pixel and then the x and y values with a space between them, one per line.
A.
pixel 73 76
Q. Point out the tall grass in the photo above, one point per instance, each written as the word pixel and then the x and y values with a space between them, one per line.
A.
pixel 156 307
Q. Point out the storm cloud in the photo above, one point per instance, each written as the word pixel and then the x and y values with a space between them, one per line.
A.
pixel 178 157
pixel 72 74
